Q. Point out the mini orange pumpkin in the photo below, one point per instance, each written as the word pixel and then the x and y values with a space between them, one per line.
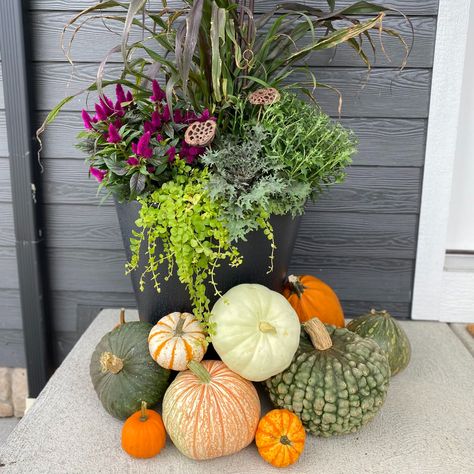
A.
pixel 280 438
pixel 143 434
pixel 311 297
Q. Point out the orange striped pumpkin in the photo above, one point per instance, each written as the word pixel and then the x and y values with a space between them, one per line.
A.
pixel 210 411
pixel 175 340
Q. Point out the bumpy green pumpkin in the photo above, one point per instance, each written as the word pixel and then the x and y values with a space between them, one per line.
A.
pixel 336 383
pixel 123 372
pixel 385 331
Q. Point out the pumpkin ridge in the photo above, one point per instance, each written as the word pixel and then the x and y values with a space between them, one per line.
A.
pixel 173 351
pixel 159 348
pixel 219 411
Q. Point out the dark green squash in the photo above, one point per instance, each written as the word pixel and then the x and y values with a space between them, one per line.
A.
pixel 386 332
pixel 336 383
pixel 123 372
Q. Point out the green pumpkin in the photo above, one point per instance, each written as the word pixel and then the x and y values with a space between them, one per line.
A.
pixel 123 372
pixel 386 332
pixel 336 383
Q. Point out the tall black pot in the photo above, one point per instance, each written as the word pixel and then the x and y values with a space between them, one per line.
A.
pixel 255 251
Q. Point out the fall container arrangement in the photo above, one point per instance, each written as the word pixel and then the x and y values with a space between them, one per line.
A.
pixel 211 143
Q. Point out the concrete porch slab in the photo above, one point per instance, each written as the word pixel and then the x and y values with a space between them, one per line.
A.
pixel 426 424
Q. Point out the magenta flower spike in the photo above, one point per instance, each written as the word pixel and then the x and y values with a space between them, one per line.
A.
pixel 171 152
pixel 142 148
pixel 132 161
pixel 100 114
pixel 98 174
pixel 166 115
pixel 86 118
pixel 206 115
pixel 107 105
pixel 120 94
pixel 148 127
pixel 114 136
pixel 129 96
pixel 158 94
pixel 156 119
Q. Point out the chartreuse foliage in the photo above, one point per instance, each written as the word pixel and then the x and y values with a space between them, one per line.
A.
pixel 187 222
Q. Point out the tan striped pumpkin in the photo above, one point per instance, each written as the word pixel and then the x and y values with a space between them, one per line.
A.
pixel 175 340
pixel 210 411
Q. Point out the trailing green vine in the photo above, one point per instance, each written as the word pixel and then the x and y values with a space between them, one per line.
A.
pixel 195 238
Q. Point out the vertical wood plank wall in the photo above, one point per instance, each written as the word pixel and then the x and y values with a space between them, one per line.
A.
pixel 360 237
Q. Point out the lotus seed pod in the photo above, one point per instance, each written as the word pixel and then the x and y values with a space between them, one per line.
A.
pixel 200 133
pixel 265 96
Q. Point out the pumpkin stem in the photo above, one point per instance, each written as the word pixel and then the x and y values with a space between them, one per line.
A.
pixel 295 285
pixel 266 327
pixel 122 316
pixel 284 440
pixel 179 327
pixel 318 334
pixel 144 414
pixel 110 363
pixel 199 371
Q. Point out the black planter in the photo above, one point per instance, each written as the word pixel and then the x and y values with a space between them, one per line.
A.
pixel 255 251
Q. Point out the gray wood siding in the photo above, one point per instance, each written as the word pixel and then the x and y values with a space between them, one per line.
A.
pixel 360 236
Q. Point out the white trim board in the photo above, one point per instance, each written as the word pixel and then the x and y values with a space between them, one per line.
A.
pixel 446 87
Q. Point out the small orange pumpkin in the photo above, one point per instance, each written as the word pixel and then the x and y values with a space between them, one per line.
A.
pixel 311 297
pixel 280 438
pixel 143 434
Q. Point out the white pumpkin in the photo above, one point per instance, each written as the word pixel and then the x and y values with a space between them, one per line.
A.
pixel 257 331
pixel 175 340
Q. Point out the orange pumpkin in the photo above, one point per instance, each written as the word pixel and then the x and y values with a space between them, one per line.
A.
pixel 311 297
pixel 280 438
pixel 210 411
pixel 143 434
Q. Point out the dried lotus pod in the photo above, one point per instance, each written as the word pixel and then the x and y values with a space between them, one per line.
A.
pixel 200 133
pixel 265 96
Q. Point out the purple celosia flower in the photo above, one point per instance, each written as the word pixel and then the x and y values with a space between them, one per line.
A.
pixel 100 114
pixel 98 174
pixel 158 94
pixel 141 148
pixel 178 116
pixel 190 153
pixel 132 161
pixel 156 119
pixel 171 152
pixel 120 94
pixel 159 137
pixel 151 169
pixel 129 97
pixel 206 115
pixel 114 136
pixel 148 127
pixel 107 105
pixel 86 118
pixel 166 115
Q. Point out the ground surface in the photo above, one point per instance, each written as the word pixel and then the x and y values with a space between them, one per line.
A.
pixel 426 424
